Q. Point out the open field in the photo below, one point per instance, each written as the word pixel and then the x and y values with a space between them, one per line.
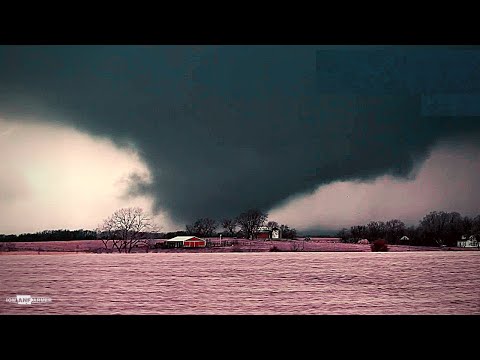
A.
pixel 226 245
pixel 257 283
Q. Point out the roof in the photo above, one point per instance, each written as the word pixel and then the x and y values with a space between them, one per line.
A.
pixel 184 238
pixel 470 238
pixel 404 237
pixel 263 228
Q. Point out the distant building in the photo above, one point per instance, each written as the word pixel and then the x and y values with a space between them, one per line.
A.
pixel 276 233
pixel 404 238
pixel 185 242
pixel 471 242
pixel 263 232
pixel 266 233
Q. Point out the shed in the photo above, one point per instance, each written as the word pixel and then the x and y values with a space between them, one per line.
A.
pixel 186 241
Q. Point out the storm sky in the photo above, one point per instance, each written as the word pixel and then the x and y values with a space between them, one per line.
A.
pixel 319 136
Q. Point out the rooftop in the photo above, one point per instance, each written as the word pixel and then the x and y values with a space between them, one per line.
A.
pixel 183 238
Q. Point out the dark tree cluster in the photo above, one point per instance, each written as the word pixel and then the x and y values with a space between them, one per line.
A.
pixel 172 234
pixel 244 225
pixel 287 232
pixel 249 222
pixel 51 235
pixel 230 226
pixel 204 227
pixel 436 228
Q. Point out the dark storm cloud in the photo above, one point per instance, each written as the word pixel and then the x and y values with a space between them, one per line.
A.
pixel 227 128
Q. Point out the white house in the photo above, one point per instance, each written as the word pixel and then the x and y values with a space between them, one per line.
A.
pixel 276 233
pixel 471 242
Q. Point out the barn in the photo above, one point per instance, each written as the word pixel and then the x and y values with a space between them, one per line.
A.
pixel 263 232
pixel 186 241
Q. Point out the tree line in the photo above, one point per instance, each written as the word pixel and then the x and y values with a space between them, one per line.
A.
pixel 52 235
pixel 245 225
pixel 127 227
pixel 436 228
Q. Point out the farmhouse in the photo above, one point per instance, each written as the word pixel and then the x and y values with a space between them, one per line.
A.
pixel 471 242
pixel 185 242
pixel 265 233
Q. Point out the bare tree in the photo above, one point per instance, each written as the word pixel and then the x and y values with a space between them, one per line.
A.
pixel 204 227
pixel 230 225
pixel 250 221
pixel 127 228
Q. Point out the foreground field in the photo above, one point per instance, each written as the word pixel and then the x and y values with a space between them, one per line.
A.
pixel 226 245
pixel 256 283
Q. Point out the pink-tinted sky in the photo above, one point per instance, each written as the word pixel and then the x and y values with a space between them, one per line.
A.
pixel 223 129
pixel 54 176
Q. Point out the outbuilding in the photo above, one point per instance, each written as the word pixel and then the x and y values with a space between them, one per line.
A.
pixel 263 232
pixel 276 233
pixel 471 242
pixel 186 241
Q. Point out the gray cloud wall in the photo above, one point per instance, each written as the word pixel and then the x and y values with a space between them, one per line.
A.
pixel 226 128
